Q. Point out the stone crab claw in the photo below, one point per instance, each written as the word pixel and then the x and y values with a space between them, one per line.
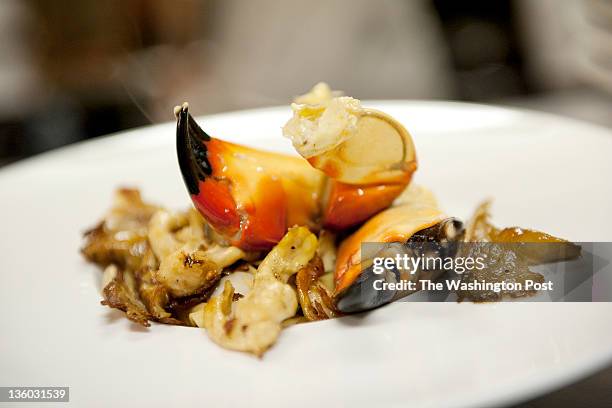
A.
pixel 368 156
pixel 411 228
pixel 357 162
pixel 354 163
pixel 248 196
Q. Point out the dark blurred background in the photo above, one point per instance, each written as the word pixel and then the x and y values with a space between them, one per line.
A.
pixel 77 69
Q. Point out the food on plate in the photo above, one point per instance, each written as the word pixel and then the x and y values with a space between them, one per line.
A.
pixel 510 253
pixel 253 321
pixel 252 197
pixel 273 239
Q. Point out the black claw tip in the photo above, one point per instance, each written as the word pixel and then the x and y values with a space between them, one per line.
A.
pixel 191 149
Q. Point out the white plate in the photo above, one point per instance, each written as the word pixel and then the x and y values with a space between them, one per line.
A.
pixel 544 172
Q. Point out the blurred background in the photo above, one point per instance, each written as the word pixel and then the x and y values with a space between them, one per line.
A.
pixel 77 69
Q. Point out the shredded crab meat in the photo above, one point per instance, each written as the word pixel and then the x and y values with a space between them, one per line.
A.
pixel 322 121
pixel 121 238
pixel 241 281
pixel 187 266
pixel 253 322
pixel 119 293
pixel 315 298
pixel 187 271
pixel 158 263
pixel 162 228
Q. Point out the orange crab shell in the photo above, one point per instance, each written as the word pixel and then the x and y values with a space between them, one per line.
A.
pixel 349 205
pixel 396 224
pixel 250 195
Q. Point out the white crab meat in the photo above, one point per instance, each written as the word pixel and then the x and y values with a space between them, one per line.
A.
pixel 253 322
pixel 322 121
